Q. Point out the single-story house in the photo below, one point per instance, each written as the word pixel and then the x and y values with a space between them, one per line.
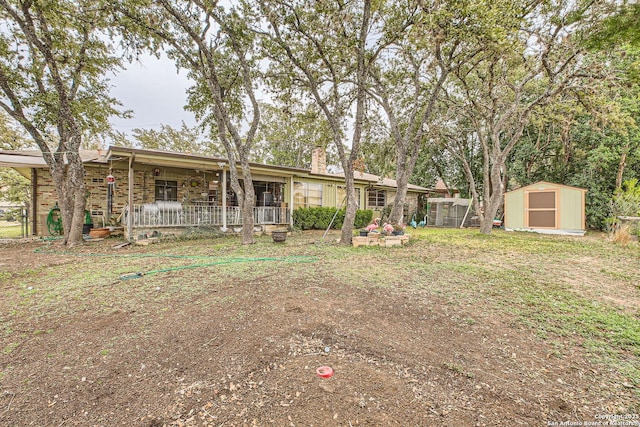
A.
pixel 145 190
pixel 546 207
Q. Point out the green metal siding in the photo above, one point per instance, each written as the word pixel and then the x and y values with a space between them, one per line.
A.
pixel 329 192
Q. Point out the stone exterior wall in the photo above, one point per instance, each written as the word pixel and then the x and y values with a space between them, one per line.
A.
pixel 412 203
pixel 46 198
pixel 96 178
pixel 190 187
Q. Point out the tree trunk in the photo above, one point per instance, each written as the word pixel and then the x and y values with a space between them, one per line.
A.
pixel 68 180
pixel 621 166
pixel 473 189
pixel 246 198
pixel 74 237
pixel 350 210
pixel 248 204
pixel 492 199
pixel 458 152
pixel 361 77
pixel 397 211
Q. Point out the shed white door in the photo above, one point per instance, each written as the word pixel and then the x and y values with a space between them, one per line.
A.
pixel 542 209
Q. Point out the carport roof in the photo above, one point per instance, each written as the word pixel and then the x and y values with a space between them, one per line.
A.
pixel 34 159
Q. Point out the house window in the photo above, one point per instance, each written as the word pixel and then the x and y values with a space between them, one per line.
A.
pixel 376 198
pixel 307 195
pixel 166 191
pixel 341 193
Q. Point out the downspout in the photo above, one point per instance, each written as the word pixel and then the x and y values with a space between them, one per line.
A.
pixel 130 201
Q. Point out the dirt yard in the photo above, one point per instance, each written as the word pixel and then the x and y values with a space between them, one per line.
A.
pixel 238 343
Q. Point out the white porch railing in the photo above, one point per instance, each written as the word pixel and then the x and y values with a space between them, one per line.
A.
pixel 270 215
pixel 176 214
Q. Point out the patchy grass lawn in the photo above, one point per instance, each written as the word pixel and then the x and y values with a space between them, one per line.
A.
pixel 456 328
pixel 10 230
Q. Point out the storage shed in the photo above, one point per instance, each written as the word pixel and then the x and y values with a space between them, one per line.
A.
pixel 545 207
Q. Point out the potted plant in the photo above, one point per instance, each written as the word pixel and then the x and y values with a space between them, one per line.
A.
pixel 398 229
pixel 88 222
pixel 279 236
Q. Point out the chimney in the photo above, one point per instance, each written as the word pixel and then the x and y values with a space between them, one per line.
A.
pixel 318 160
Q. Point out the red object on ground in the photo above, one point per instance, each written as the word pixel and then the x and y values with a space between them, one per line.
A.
pixel 324 372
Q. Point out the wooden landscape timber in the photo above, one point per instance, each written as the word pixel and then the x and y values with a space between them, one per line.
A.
pixel 377 240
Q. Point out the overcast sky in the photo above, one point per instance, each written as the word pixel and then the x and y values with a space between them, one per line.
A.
pixel 156 93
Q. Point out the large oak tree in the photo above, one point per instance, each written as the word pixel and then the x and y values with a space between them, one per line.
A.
pixel 53 58
pixel 494 98
pixel 425 43
pixel 324 48
pixel 212 43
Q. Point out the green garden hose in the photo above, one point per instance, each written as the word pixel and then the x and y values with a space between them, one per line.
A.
pixel 54 220
pixel 219 261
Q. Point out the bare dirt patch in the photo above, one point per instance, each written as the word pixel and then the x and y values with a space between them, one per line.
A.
pixel 205 347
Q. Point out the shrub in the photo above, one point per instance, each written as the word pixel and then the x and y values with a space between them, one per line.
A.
pixel 363 217
pixel 625 203
pixel 319 218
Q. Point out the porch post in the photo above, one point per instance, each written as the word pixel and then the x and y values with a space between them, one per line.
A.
pixel 224 199
pixel 34 202
pixel 130 201
pixel 291 202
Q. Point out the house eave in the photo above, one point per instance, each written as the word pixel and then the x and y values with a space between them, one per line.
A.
pixel 25 160
pixel 191 161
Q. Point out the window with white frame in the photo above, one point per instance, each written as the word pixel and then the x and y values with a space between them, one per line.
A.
pixel 307 195
pixel 376 198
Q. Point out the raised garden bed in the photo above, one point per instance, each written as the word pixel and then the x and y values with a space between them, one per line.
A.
pixel 378 240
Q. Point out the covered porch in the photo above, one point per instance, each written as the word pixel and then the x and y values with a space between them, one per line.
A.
pixel 169 191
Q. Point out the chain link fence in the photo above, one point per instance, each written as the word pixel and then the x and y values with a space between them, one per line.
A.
pixel 14 222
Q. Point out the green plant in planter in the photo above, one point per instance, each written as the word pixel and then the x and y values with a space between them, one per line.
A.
pixel 398 229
